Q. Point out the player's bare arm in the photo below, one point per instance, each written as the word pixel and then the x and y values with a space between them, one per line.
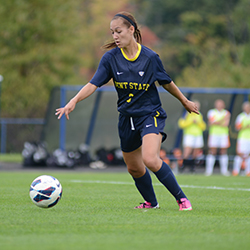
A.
pixel 223 122
pixel 227 120
pixel 174 90
pixel 85 92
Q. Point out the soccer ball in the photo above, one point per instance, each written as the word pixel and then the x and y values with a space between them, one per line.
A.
pixel 45 191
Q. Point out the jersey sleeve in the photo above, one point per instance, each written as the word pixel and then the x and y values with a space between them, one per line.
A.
pixel 103 72
pixel 210 115
pixel 185 122
pixel 160 73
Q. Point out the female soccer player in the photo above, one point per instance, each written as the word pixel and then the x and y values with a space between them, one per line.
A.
pixel 242 124
pixel 134 69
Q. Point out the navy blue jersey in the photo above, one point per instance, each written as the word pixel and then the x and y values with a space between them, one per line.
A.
pixel 134 79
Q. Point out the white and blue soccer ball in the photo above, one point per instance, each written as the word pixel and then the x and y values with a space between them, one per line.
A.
pixel 45 191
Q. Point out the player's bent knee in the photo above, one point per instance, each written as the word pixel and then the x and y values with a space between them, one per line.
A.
pixel 152 163
pixel 136 173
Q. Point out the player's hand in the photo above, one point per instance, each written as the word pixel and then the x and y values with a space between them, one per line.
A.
pixel 191 107
pixel 65 110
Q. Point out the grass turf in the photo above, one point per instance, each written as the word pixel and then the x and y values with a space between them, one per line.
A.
pixel 16 158
pixel 96 212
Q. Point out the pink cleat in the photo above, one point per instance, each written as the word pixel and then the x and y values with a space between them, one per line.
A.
pixel 146 204
pixel 184 204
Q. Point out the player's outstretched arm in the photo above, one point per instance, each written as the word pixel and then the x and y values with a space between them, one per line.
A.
pixel 85 92
pixel 175 91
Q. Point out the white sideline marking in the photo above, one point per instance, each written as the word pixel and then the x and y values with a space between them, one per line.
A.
pixel 159 184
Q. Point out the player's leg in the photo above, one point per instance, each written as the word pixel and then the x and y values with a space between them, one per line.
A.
pixel 197 150
pixel 141 176
pixel 223 159
pixel 243 150
pixel 131 147
pixel 210 161
pixel 247 170
pixel 238 159
pixel 150 154
pixel 151 144
pixel 211 156
pixel 188 160
pixel 247 160
pixel 187 151
pixel 195 155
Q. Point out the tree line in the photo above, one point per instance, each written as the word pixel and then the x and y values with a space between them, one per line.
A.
pixel 204 43
pixel 51 43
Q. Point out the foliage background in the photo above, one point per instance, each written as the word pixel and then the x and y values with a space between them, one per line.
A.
pixel 50 43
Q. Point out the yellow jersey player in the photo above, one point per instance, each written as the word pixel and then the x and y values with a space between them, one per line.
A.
pixel 242 124
pixel 193 126
pixel 218 138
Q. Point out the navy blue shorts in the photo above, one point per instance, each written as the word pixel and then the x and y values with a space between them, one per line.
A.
pixel 132 129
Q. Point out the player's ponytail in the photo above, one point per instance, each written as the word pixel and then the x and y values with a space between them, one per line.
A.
pixel 137 36
pixel 128 20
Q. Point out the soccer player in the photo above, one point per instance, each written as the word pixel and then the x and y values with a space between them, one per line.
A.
pixel 134 69
pixel 193 126
pixel 218 120
pixel 242 124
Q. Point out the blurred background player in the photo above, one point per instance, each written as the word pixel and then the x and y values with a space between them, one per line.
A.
pixel 218 138
pixel 242 124
pixel 193 126
pixel 173 163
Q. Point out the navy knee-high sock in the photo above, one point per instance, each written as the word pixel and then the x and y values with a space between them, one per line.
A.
pixel 145 187
pixel 167 178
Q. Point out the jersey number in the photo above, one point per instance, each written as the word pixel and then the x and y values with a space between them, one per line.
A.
pixel 130 95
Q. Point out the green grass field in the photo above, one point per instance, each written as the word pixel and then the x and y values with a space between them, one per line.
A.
pixel 96 212
pixel 17 158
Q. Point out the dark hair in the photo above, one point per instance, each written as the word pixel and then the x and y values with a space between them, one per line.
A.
pixel 129 21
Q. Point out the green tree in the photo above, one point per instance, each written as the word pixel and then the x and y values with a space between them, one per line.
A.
pixel 204 43
pixel 40 44
pixel 49 43
pixel 97 15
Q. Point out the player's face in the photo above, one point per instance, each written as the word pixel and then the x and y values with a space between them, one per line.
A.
pixel 246 108
pixel 219 104
pixel 122 35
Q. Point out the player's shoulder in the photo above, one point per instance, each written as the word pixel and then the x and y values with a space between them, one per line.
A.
pixel 227 113
pixel 111 53
pixel 239 118
pixel 148 52
pixel 211 111
pixel 241 115
pixel 200 115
